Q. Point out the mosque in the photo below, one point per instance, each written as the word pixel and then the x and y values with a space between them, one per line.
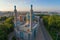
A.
pixel 25 25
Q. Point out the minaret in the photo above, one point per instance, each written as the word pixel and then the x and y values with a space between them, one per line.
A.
pixel 15 11
pixel 31 12
pixel 31 8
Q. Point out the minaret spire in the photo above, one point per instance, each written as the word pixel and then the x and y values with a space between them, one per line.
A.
pixel 15 11
pixel 31 7
pixel 31 12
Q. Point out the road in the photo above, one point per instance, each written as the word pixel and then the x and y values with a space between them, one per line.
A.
pixel 42 32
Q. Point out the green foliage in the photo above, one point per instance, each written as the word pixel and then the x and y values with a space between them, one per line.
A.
pixel 3 18
pixel 3 35
pixel 52 23
pixel 9 20
pixel 13 38
pixel 6 27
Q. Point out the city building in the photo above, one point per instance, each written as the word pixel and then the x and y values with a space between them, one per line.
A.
pixel 25 25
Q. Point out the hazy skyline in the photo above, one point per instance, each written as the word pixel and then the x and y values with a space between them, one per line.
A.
pixel 24 5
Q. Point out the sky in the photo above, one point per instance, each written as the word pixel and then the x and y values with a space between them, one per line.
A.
pixel 24 5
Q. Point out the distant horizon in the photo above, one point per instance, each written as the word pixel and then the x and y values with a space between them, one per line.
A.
pixel 29 11
pixel 24 5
